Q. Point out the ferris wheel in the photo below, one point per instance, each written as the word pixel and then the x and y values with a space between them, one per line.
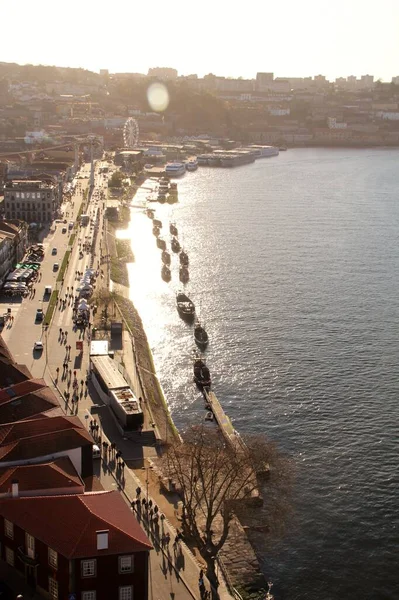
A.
pixel 130 133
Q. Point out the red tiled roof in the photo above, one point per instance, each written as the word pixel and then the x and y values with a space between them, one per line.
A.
pixel 59 473
pixel 10 371
pixel 25 400
pixel 28 439
pixel 68 524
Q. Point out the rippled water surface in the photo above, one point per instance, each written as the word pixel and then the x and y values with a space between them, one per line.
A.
pixel 294 266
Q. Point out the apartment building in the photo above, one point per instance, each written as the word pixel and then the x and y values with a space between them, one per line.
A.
pixel 32 201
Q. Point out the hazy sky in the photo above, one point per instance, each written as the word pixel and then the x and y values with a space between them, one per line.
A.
pixel 225 37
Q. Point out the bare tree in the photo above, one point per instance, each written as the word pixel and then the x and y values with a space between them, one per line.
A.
pixel 214 479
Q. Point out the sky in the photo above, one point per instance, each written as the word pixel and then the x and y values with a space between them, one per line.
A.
pixel 291 38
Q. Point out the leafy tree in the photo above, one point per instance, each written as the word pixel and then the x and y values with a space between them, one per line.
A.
pixel 215 479
pixel 116 180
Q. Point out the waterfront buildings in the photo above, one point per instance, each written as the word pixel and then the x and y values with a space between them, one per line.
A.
pixel 60 531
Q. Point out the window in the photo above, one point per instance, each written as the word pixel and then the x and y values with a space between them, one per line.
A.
pixel 30 545
pixel 10 556
pixel 126 592
pixel 53 588
pixel 126 564
pixel 89 595
pixel 52 558
pixel 9 528
pixel 89 568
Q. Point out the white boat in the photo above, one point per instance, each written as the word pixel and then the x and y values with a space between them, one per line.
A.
pixel 192 164
pixel 175 169
pixel 264 151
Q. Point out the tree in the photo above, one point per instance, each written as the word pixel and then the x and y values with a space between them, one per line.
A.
pixel 116 180
pixel 215 479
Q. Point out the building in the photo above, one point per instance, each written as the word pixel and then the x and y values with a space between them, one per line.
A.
pixel 10 371
pixel 27 400
pixel 87 546
pixel 32 201
pixel 13 243
pixel 163 73
pixel 41 439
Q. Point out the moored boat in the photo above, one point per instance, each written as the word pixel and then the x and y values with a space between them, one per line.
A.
pixel 202 376
pixel 184 258
pixel 185 307
pixel 192 164
pixel 200 335
pixel 150 213
pixel 175 245
pixel 156 231
pixel 165 257
pixel 161 243
pixel 175 169
pixel 173 229
pixel 184 275
pixel 157 223
pixel 165 273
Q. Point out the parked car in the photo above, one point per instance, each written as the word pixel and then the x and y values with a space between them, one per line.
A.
pixel 39 314
pixel 56 266
pixel 38 346
pixel 54 251
pixel 96 451
pixel 64 230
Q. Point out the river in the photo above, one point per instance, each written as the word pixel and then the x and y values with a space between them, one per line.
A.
pixel 294 267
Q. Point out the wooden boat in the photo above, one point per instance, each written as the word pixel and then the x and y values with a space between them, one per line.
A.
pixel 202 376
pixel 157 223
pixel 161 243
pixel 165 273
pixel 175 245
pixel 184 275
pixel 156 231
pixel 185 307
pixel 173 229
pixel 200 335
pixel 165 257
pixel 172 198
pixel 184 258
pixel 161 198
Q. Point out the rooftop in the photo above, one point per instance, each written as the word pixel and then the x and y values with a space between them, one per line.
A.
pixel 108 371
pixel 73 533
pixel 58 474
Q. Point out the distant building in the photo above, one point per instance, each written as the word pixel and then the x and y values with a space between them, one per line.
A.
pixel 104 72
pixel 32 201
pixel 366 81
pixel 395 80
pixel 163 73
pixel 264 81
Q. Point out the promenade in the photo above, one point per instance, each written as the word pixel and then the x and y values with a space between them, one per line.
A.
pixel 174 571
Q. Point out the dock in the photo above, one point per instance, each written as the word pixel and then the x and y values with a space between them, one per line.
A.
pixel 225 425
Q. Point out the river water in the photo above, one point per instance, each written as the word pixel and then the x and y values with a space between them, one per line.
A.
pixel 294 266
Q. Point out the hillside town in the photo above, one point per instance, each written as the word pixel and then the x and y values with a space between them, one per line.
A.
pixel 86 510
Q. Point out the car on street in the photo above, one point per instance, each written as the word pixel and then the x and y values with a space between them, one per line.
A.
pixel 64 230
pixel 56 266
pixel 38 346
pixel 39 314
pixel 54 251
pixel 96 451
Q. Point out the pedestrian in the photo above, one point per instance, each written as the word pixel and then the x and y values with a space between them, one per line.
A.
pixel 150 503
pixel 138 491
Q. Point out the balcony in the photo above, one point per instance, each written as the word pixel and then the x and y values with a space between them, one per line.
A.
pixel 26 559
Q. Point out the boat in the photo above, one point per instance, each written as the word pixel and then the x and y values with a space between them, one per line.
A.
pixel 165 273
pixel 175 245
pixel 192 164
pixel 164 182
pixel 184 258
pixel 200 335
pixel 173 229
pixel 202 376
pixel 161 243
pixel 173 187
pixel 165 257
pixel 264 151
pixel 161 198
pixel 150 213
pixel 185 307
pixel 283 148
pixel 202 159
pixel 172 198
pixel 214 161
pixel 175 169
pixel 209 416
pixel 156 231
pixel 184 275
pixel 237 158
pixel 157 223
